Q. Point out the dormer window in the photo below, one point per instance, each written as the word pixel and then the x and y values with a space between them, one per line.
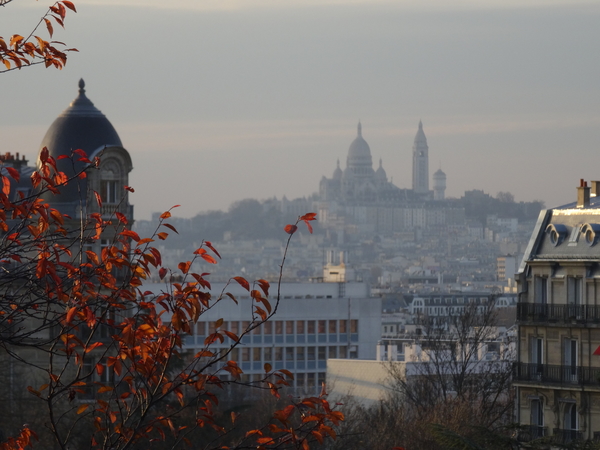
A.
pixel 591 233
pixel 556 233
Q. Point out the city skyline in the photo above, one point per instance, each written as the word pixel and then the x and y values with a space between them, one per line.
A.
pixel 260 100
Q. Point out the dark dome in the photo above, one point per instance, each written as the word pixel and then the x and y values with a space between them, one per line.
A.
pixel 80 126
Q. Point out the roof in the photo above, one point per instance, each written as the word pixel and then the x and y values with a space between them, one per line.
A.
pixel 80 126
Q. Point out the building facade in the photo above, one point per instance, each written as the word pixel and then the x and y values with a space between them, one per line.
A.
pixel 557 375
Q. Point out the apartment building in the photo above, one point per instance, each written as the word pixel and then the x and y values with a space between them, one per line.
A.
pixel 557 374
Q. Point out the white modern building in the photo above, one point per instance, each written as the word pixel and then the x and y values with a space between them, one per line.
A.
pixel 314 322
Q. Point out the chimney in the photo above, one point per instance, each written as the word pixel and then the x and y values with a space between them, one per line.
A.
pixel 595 188
pixel 583 195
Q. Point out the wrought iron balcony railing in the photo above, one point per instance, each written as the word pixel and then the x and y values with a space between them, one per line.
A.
pixel 531 432
pixel 540 312
pixel 564 375
pixel 561 436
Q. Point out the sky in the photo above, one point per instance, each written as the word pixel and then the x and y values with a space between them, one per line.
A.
pixel 221 100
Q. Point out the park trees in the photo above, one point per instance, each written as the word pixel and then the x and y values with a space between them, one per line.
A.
pixel 98 357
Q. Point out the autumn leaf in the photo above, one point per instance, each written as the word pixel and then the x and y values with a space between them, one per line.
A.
pixel 243 282
pixel 290 229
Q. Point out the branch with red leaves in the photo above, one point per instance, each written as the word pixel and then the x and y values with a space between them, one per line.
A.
pixel 22 51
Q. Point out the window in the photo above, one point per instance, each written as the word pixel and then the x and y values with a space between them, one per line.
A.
pixel 289 353
pixel 322 353
pixel 570 419
pixel 256 354
pixel 343 326
pixel 332 352
pixel 537 418
pixel 343 352
pixel 570 359
pixel 289 327
pixel 268 354
pixel 268 327
pixel 300 354
pixel 332 326
pixel 354 326
pixel 234 327
pixel 536 356
pixel 311 327
pixel 109 192
pixel 574 290
pixel 540 290
pixel 245 354
pixel 322 326
pixel 278 327
pixel 300 327
pixel 278 353
pixel 310 353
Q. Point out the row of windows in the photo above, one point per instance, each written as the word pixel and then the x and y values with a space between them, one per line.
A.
pixel 451 301
pixel 574 289
pixel 288 327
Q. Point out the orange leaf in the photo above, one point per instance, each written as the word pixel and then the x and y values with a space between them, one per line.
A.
pixel 98 198
pixel 70 314
pixel 184 266
pixel 209 245
pixel 5 185
pixel 82 408
pixel 162 236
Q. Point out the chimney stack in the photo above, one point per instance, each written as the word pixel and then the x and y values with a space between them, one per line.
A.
pixel 595 188
pixel 583 195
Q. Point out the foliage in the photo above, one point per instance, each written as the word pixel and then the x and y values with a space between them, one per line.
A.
pixel 103 355
pixel 20 51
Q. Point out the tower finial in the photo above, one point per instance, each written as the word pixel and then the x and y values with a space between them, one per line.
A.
pixel 81 86
pixel 420 124
pixel 359 129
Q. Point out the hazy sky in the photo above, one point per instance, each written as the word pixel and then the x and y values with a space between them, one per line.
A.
pixel 220 100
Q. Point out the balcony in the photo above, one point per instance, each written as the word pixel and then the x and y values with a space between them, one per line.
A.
pixel 560 314
pixel 560 436
pixel 529 433
pixel 563 375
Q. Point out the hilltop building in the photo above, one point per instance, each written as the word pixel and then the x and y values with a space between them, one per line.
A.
pixel 557 376
pixel 359 199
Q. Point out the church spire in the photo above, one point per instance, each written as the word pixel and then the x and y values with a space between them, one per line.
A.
pixel 359 129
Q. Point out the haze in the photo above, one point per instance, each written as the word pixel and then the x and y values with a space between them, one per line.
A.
pixel 222 100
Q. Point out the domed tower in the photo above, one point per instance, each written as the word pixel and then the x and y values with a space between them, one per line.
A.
pixel 359 163
pixel 420 174
pixel 358 180
pixel 439 185
pixel 380 174
pixel 83 126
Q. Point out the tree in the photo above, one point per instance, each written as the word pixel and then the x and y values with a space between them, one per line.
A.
pixel 102 356
pixel 455 389
pixel 22 51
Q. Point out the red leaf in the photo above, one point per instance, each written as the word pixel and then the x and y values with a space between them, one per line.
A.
pixel 162 272
pixel 5 185
pixel 209 258
pixel 184 266
pixel 121 217
pixel 70 314
pixel 132 234
pixel 243 282
pixel 44 155
pixel 69 5
pixel 209 245
pixel 15 175
pixel 130 189
pixel 290 229
pixel 309 216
